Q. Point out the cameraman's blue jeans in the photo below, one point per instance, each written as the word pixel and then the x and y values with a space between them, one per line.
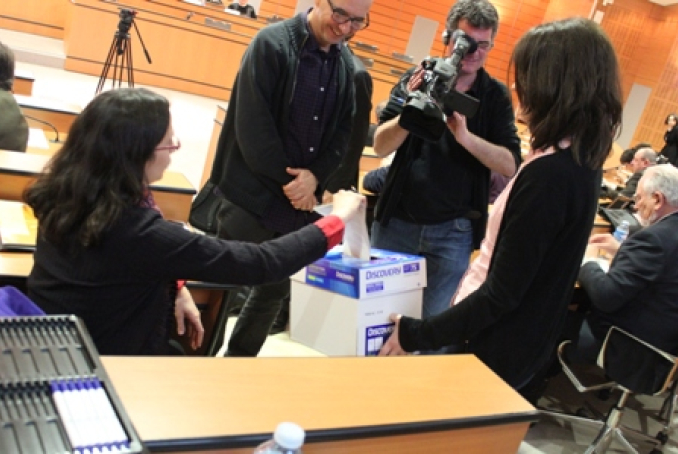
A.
pixel 447 248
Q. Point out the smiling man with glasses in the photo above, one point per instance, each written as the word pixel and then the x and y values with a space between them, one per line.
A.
pixel 287 129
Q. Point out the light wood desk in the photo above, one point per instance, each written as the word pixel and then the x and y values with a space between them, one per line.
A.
pixel 40 142
pixel 18 229
pixel 18 226
pixel 412 404
pixel 59 114
pixel 23 82
pixel 369 160
pixel 173 193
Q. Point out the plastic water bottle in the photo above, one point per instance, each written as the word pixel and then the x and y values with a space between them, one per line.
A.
pixel 287 439
pixel 622 231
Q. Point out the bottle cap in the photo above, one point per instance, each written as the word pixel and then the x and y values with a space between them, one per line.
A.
pixel 289 435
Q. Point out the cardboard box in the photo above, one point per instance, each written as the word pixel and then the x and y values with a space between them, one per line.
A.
pixel 385 273
pixel 337 325
pixel 341 306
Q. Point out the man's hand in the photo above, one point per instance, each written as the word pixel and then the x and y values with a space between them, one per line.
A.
pixel 300 191
pixel 605 242
pixel 415 80
pixel 392 346
pixel 457 126
pixel 185 309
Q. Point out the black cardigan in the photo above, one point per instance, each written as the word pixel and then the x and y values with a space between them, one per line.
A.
pixel 250 162
pixel 121 287
pixel 512 322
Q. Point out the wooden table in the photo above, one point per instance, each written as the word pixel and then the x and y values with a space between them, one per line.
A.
pixel 57 113
pixel 23 82
pixel 18 226
pixel 412 404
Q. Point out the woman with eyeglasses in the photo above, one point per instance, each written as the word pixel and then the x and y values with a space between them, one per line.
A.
pixel 104 252
pixel 670 150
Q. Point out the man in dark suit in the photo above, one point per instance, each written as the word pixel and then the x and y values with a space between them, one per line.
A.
pixel 642 159
pixel 13 125
pixel 639 293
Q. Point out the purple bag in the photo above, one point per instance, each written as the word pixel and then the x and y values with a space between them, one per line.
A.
pixel 13 303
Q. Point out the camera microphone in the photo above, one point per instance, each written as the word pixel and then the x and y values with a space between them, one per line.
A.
pixel 56 133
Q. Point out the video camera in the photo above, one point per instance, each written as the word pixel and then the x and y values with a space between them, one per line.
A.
pixel 126 19
pixel 425 109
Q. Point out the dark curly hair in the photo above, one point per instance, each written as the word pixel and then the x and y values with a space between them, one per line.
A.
pixel 478 13
pixel 100 170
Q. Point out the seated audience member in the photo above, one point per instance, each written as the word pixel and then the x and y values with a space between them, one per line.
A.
pixel 105 253
pixel 513 320
pixel 639 292
pixel 243 8
pixel 13 125
pixel 622 172
pixel 626 157
pixel 373 180
pixel 642 159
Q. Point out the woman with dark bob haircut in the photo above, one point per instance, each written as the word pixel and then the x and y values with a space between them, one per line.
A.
pixel 567 81
pixel 105 253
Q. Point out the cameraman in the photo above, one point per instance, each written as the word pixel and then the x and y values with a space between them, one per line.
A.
pixel 435 199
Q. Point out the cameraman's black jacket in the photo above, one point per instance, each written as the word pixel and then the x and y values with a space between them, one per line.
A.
pixel 434 182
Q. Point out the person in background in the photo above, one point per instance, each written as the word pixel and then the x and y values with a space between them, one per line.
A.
pixel 670 149
pixel 13 125
pixel 286 130
pixel 642 159
pixel 243 8
pixel 514 319
pixel 639 292
pixel 435 199
pixel 626 157
pixel 104 252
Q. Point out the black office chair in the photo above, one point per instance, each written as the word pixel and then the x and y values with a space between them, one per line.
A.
pixel 213 303
pixel 632 367
pixel 668 412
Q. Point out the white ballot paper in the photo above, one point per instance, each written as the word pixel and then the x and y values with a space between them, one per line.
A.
pixel 356 240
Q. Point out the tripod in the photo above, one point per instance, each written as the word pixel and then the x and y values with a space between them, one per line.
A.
pixel 120 53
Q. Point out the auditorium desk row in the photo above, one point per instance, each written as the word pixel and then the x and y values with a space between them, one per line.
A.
pixel 193 49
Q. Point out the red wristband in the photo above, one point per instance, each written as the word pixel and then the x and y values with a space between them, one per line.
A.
pixel 333 228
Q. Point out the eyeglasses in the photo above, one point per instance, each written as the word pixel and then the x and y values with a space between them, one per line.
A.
pixel 341 17
pixel 176 144
pixel 485 45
